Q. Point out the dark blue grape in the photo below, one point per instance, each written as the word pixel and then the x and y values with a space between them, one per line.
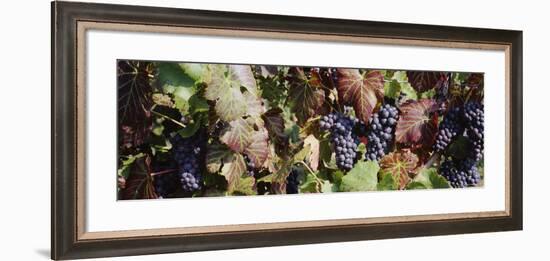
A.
pixel 380 131
pixel 474 116
pixel 451 127
pixel 189 155
pixel 460 174
pixel 342 137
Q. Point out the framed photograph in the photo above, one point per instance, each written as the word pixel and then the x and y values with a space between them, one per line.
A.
pixel 180 130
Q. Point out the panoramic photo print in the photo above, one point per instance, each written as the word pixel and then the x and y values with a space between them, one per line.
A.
pixel 200 130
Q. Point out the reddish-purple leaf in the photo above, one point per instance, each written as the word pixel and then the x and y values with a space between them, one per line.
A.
pixel 362 90
pixel 275 125
pixel 233 168
pixel 417 123
pixel 139 184
pixel 423 81
pixel 238 137
pixel 258 149
pixel 134 101
pixel 306 94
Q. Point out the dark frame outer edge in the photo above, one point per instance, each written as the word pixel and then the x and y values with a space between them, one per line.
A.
pixel 63 235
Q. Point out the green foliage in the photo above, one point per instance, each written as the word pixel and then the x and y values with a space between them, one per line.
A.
pixel 363 177
pixel 428 179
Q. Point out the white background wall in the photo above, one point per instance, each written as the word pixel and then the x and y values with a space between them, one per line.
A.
pixel 25 129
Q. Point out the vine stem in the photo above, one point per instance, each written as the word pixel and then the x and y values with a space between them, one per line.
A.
pixel 311 171
pixel 162 172
pixel 169 118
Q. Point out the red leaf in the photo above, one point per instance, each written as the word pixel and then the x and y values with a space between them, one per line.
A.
pixel 417 123
pixel 134 101
pixel 275 125
pixel 423 81
pixel 360 90
pixel 139 184
pixel 258 149
pixel 238 136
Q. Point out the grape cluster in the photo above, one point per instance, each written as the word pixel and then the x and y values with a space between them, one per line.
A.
pixel 342 137
pixel 461 173
pixel 474 115
pixel 451 127
pixel 189 153
pixel 292 182
pixel 467 121
pixel 380 132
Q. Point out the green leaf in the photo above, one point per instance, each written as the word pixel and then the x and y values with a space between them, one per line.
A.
pixel 245 186
pixel 181 96
pixel 195 71
pixel 225 88
pixel 387 183
pixel 172 74
pixel 363 177
pixel 392 89
pixel 328 187
pixel 428 179
pixel 124 169
pixel 310 185
pixel 408 90
pixel 198 104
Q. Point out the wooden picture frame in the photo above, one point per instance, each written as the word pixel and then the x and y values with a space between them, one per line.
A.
pixel 71 20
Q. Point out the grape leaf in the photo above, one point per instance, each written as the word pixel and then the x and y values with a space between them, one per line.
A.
pixel 134 101
pixel 314 152
pixel 275 125
pixel 387 183
pixel 224 88
pixel 238 137
pixel 233 168
pixel 362 90
pixel 306 95
pixel 194 71
pixel 399 165
pixel 362 177
pixel 245 186
pixel 417 123
pixel 139 184
pixel 173 75
pixel 422 81
pixel 215 155
pixel 244 75
pixel 428 179
pixel 258 149
pixel 255 105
